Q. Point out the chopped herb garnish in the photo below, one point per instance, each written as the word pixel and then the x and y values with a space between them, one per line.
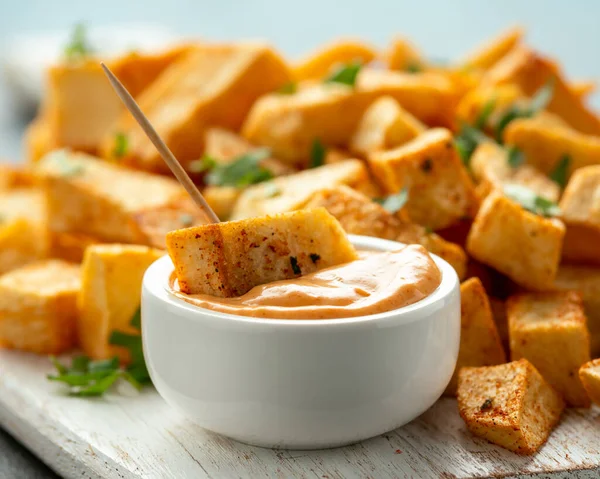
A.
pixel 345 74
pixel 78 46
pixel 288 89
pixel 271 190
pixel 242 171
pixel 529 200
pixel 466 142
pixel 121 145
pixel 314 257
pixel 317 154
pixel 485 113
pixel 515 157
pixel 205 163
pixel 295 268
pixel 186 219
pixel 560 173
pixel 85 377
pixel 487 404
pixel 394 203
pixel 413 67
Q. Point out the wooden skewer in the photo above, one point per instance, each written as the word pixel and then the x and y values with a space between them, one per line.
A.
pixel 160 145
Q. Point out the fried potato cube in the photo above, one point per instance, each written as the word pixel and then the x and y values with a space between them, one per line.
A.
pixel 38 307
pixel 229 259
pixel 544 144
pixel 580 206
pixel 510 405
pixel 359 215
pixel 440 191
pixel 490 167
pixel 70 246
pixel 403 56
pixel 480 343
pixel 523 246
pixel 289 124
pixel 110 295
pixel 38 139
pixel 549 330
pixel 531 72
pixel 195 92
pixel 589 374
pixel 318 65
pixel 89 196
pixel 291 192
pixel 488 54
pixel 384 125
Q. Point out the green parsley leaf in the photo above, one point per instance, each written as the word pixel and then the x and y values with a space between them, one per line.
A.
pixel 78 46
pixel 345 74
pixel 466 142
pixel 485 113
pixel 206 163
pixel 317 154
pixel 515 157
pixel 394 203
pixel 532 202
pixel 243 171
pixel 288 88
pixel 560 173
pixel 121 145
pixel 295 268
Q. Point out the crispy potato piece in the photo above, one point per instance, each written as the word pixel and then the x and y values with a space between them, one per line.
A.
pixel 549 330
pixel 589 374
pixel 289 124
pixel 530 71
pixel 403 56
pixel 584 88
pixel 479 339
pixel 488 54
pixel 520 244
pixel 319 64
pixel 359 215
pixel 229 259
pixel 580 206
pixel 92 197
pixel 440 190
pixel 110 295
pixel 545 144
pixel 195 92
pixel 510 405
pixel 384 125
pixel 38 139
pixel 489 165
pixel 291 192
pixel 70 246
pixel 38 307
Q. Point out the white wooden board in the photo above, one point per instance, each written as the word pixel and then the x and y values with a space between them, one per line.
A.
pixel 141 437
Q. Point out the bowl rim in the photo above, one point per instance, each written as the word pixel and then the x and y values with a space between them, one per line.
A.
pixel 156 283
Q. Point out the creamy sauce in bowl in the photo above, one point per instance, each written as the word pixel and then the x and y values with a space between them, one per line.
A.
pixel 377 282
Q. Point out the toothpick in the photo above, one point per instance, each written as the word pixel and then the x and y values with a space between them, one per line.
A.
pixel 160 145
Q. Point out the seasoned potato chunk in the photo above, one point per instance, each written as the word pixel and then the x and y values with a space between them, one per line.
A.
pixel 92 197
pixel 291 192
pixel 488 54
pixel 196 92
pixel 520 244
pixel 110 295
pixel 479 339
pixel 359 215
pixel 580 206
pixel 440 191
pixel 549 330
pixel 38 307
pixel 319 64
pixel 229 259
pixel 510 405
pixel 590 377
pixel 384 125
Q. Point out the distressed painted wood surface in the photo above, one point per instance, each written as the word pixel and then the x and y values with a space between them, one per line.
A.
pixel 131 437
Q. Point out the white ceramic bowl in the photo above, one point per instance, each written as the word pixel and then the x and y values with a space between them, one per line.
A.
pixel 301 384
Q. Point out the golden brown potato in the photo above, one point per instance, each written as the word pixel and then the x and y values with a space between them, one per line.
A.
pixel 384 125
pixel 510 405
pixel 320 64
pixel 440 191
pixel 519 244
pixel 549 330
pixel 38 307
pixel 110 295
pixel 580 206
pixel 488 54
pixel 196 92
pixel 479 339
pixel 229 259
pixel 590 377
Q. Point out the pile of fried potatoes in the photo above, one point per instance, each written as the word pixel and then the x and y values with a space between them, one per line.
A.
pixel 491 162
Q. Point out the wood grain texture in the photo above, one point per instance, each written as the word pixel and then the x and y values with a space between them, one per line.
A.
pixel 142 437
